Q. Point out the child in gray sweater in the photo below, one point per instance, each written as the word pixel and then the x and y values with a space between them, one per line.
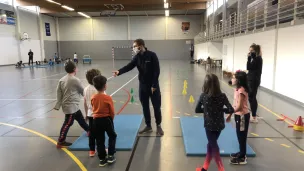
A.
pixel 69 91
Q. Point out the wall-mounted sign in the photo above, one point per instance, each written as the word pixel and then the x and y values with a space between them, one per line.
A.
pixel 185 27
pixel 7 17
pixel 47 29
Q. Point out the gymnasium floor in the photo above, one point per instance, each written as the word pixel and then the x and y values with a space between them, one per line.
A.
pixel 27 97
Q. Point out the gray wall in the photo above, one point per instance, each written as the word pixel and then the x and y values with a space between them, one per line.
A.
pixel 50 48
pixel 165 49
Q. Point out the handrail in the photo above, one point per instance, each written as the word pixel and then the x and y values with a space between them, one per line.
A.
pixel 262 14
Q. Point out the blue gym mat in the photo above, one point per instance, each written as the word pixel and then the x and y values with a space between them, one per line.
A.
pixel 126 127
pixel 195 140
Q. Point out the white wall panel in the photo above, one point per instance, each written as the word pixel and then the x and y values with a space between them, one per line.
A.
pixel 74 29
pixel 148 28
pixel 112 28
pixel 175 27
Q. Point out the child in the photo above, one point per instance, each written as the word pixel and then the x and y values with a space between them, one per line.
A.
pixel 75 58
pixel 103 114
pixel 89 91
pixel 211 103
pixel 69 90
pixel 51 63
pixel 242 115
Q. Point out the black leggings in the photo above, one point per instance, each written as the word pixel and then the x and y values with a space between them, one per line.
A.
pixel 253 90
pixel 242 133
pixel 92 138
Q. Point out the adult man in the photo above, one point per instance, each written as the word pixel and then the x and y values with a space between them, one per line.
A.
pixel 31 56
pixel 148 67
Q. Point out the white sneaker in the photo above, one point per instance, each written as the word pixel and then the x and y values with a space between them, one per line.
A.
pixel 254 120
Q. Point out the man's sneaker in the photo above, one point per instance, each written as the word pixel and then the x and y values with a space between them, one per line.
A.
pixel 147 129
pixel 63 144
pixel 254 120
pixel 159 131
pixel 111 159
pixel 103 163
pixel 238 161
pixel 92 153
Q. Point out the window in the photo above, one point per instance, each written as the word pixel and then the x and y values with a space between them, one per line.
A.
pixel 8 2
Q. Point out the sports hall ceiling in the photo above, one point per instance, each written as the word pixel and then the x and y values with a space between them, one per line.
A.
pixel 94 8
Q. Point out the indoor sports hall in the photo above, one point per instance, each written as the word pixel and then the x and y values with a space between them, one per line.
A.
pixel 176 53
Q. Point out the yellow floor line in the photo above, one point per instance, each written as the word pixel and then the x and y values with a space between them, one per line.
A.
pixel 114 101
pixel 284 145
pixel 177 111
pixel 269 139
pixel 300 151
pixel 187 114
pixel 76 160
pixel 254 134
pixel 272 112
pixel 122 102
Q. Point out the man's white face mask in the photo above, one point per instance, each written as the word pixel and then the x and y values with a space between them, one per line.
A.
pixel 136 50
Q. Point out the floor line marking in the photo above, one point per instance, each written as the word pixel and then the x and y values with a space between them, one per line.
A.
pixel 284 145
pixel 124 85
pixel 254 134
pixel 122 102
pixel 269 139
pixel 187 114
pixel 70 154
pixel 272 112
pixel 177 111
pixel 300 151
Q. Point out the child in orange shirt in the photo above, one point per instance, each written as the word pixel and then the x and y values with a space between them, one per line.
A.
pixel 103 114
pixel 242 116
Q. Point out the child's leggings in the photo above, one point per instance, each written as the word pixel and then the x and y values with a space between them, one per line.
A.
pixel 213 150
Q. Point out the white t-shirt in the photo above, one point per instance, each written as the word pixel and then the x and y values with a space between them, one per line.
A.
pixel 75 56
pixel 89 91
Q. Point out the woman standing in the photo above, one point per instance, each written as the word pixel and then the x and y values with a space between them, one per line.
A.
pixel 254 67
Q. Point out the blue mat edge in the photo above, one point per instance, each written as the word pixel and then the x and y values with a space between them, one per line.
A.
pixel 71 148
pixel 203 155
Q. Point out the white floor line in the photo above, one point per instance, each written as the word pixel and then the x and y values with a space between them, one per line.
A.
pixel 44 77
pixel 56 99
pixel 124 85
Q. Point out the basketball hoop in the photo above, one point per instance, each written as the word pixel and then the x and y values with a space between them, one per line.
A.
pixel 25 36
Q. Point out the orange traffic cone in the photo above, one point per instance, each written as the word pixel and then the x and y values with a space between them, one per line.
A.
pixel 298 126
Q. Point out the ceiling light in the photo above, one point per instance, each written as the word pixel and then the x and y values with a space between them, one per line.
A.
pixel 83 14
pixel 166 5
pixel 54 2
pixel 165 1
pixel 167 13
pixel 68 8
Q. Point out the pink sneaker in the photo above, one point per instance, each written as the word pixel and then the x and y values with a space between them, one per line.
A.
pixel 92 153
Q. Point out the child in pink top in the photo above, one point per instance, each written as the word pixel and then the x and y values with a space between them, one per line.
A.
pixel 242 116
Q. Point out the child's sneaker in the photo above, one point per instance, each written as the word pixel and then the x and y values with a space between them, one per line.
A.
pixel 238 161
pixel 254 120
pixel 111 159
pixel 235 155
pixel 103 163
pixel 92 153
pixel 63 144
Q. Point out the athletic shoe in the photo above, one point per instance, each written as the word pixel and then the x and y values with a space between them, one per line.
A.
pixel 238 161
pixel 92 153
pixel 235 155
pixel 147 129
pixel 103 163
pixel 111 159
pixel 254 120
pixel 63 144
pixel 159 131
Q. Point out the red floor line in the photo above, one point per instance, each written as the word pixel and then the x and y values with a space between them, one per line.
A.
pixel 127 102
pixel 22 96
